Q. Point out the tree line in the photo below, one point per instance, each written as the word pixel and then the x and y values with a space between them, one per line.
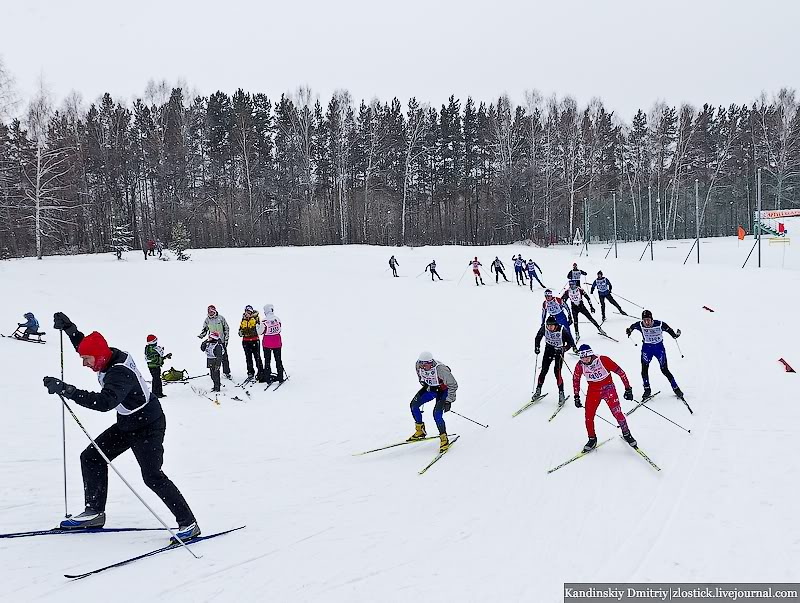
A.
pixel 246 170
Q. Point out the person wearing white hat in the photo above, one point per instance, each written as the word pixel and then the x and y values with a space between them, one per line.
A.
pixel 438 384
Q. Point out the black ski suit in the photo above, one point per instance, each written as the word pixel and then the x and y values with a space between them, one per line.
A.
pixel 556 342
pixel 432 268
pixel 497 267
pixel 140 426
pixel 576 297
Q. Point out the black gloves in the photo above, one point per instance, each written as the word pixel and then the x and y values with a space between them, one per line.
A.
pixel 61 321
pixel 447 407
pixel 628 395
pixel 578 401
pixel 677 333
pixel 168 356
pixel 536 350
pixel 57 386
pixel 628 331
pixel 592 309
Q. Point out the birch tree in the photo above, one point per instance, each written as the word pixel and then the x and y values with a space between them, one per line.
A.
pixel 413 149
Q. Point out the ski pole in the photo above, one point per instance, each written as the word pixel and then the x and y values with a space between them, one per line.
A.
pixel 630 302
pixel 468 419
pixel 535 378
pixel 462 275
pixel 110 464
pixel 64 432
pixel 679 347
pixel 666 418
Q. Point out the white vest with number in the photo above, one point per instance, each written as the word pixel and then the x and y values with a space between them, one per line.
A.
pixel 602 285
pixel 574 296
pixel 554 338
pixel 595 371
pixel 553 307
pixel 430 377
pixel 652 334
pixel 131 366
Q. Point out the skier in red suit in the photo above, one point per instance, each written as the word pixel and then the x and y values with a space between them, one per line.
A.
pixel 598 371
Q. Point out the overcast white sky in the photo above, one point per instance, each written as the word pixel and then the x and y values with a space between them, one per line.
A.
pixel 628 52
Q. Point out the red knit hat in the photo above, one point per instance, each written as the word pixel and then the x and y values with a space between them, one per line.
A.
pixel 152 339
pixel 95 345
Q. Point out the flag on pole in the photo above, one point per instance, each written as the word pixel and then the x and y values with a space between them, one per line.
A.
pixel 741 233
pixel 781 228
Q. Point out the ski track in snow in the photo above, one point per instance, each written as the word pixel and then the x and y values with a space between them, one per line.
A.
pixel 486 522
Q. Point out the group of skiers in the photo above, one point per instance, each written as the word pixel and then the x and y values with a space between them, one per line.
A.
pixel 558 314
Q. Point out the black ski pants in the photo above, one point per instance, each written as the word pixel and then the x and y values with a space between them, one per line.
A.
pixel 278 361
pixel 155 372
pixel 436 273
pixel 394 270
pixel 552 354
pixel 582 310
pixel 213 365
pixel 610 298
pixel 531 276
pixel 252 350
pixel 147 445
pixel 226 363
pixel 497 274
pixel 520 276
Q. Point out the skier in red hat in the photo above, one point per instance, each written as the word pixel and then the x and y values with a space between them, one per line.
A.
pixel 140 426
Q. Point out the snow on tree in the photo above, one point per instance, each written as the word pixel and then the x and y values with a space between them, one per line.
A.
pixel 121 238
pixel 180 241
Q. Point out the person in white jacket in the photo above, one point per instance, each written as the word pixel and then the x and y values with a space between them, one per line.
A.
pixel 270 331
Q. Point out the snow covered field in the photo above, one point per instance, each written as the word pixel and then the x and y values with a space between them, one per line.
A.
pixel 486 523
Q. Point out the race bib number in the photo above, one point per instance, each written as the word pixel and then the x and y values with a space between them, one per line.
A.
pixel 273 327
pixel 652 334
pixel 553 307
pixel 602 285
pixel 430 377
pixel 595 371
pixel 575 296
pixel 555 339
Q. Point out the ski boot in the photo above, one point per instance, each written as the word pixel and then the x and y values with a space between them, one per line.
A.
pixel 626 435
pixel 444 443
pixel 647 393
pixel 590 445
pixel 228 376
pixel 577 335
pixel 87 519
pixel 537 393
pixel 419 434
pixel 561 397
pixel 186 532
pixel 677 391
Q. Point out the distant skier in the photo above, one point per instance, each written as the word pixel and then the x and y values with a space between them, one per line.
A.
pixel 519 265
pixel 476 270
pixel 554 306
pixel 393 264
pixel 574 275
pixel 270 330
pixel 576 295
pixel 140 427
pixel 154 354
pixel 438 384
pixel 31 326
pixel 532 267
pixel 216 322
pixel 601 387
pixel 151 247
pixel 498 268
pixel 557 339
pixel 653 347
pixel 248 331
pixel 432 268
pixel 159 248
pixel 603 286
pixel 215 352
